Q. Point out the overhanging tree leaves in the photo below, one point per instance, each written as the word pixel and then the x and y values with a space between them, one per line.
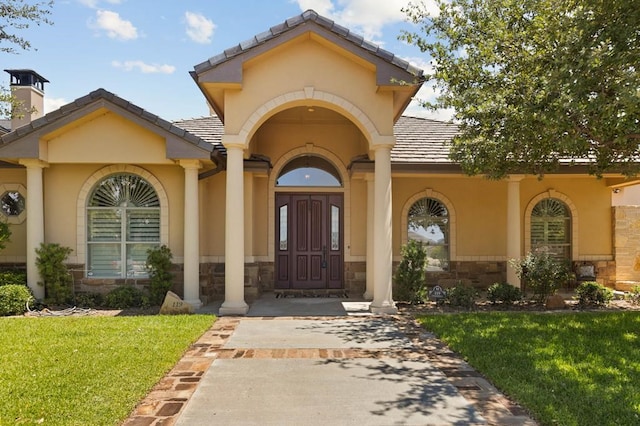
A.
pixel 15 16
pixel 536 83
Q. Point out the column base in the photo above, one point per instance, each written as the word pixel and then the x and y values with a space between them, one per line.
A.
pixel 233 308
pixel 385 309
pixel 368 295
pixel 196 303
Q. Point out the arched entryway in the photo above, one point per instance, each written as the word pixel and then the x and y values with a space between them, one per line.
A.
pixel 309 225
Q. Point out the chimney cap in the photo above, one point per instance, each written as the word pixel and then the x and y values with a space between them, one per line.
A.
pixel 27 77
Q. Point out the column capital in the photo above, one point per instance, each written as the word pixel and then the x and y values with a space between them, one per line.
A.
pixel 515 178
pixel 190 164
pixel 33 163
pixel 231 142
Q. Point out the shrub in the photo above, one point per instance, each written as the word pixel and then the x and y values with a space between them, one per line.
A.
pixel 409 277
pixel 462 296
pixel 126 297
pixel 14 299
pixel 89 300
pixel 542 273
pixel 503 292
pixel 56 278
pixel 159 267
pixel 634 296
pixel 13 278
pixel 590 293
pixel 5 234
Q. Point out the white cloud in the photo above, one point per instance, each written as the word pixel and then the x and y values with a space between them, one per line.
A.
pixel 115 26
pixel 144 67
pixel 199 28
pixel 363 16
pixel 52 104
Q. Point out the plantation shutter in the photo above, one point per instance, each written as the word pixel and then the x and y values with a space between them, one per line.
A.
pixel 551 228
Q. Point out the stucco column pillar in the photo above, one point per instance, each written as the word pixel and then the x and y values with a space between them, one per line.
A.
pixel 368 294
pixel 234 303
pixel 191 233
pixel 383 256
pixel 35 222
pixel 514 228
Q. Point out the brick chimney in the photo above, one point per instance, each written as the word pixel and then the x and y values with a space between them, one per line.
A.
pixel 27 86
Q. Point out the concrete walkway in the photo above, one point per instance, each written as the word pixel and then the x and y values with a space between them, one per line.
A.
pixel 341 366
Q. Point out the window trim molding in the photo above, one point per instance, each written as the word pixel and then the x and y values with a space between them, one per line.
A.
pixel 19 188
pixel 574 220
pixel 430 193
pixel 86 191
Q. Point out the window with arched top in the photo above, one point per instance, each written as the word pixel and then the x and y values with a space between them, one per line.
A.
pixel 551 228
pixel 123 222
pixel 309 170
pixel 428 222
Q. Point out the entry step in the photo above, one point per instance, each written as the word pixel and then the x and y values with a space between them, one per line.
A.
pixel 337 293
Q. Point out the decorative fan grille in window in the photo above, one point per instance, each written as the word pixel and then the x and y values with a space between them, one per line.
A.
pixel 429 223
pixel 551 228
pixel 123 218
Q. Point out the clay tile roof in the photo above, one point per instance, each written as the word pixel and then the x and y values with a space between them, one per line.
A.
pixel 97 95
pixel 307 16
pixel 209 129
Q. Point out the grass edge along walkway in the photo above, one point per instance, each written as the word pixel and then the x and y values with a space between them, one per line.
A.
pixel 87 370
pixel 568 368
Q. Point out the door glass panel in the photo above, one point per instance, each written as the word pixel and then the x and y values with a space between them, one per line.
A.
pixel 283 228
pixel 335 228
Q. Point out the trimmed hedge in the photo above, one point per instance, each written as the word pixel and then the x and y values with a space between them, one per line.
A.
pixel 14 299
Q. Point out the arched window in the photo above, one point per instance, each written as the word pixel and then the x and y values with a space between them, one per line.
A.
pixel 309 170
pixel 428 221
pixel 551 228
pixel 123 222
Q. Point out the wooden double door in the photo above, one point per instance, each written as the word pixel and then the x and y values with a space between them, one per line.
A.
pixel 309 241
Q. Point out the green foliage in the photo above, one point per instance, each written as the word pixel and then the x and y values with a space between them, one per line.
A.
pixel 509 70
pixel 634 295
pixel 93 370
pixel 19 15
pixel 13 277
pixel 126 297
pixel 14 299
pixel 57 279
pixel 590 293
pixel 542 273
pixel 159 267
pixel 409 277
pixel 565 369
pixel 503 292
pixel 5 233
pixel 89 300
pixel 462 296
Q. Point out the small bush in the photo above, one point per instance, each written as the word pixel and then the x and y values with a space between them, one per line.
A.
pixel 89 300
pixel 503 292
pixel 590 293
pixel 462 296
pixel 14 299
pixel 542 273
pixel 126 297
pixel 56 278
pixel 409 277
pixel 634 296
pixel 159 267
pixel 13 278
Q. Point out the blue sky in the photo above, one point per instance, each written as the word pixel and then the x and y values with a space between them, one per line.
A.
pixel 143 50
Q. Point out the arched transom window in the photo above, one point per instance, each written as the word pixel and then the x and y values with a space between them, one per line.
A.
pixel 309 170
pixel 123 222
pixel 551 228
pixel 428 222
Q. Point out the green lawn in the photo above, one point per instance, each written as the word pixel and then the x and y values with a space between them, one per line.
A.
pixel 87 370
pixel 567 369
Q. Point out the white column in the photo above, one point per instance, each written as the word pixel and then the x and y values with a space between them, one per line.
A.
pixel 35 223
pixel 234 303
pixel 514 228
pixel 191 233
pixel 368 294
pixel 383 256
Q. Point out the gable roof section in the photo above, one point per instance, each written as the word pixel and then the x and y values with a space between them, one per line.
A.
pixel 226 67
pixel 24 141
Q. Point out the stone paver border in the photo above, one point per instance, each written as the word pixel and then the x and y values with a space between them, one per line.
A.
pixel 167 399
